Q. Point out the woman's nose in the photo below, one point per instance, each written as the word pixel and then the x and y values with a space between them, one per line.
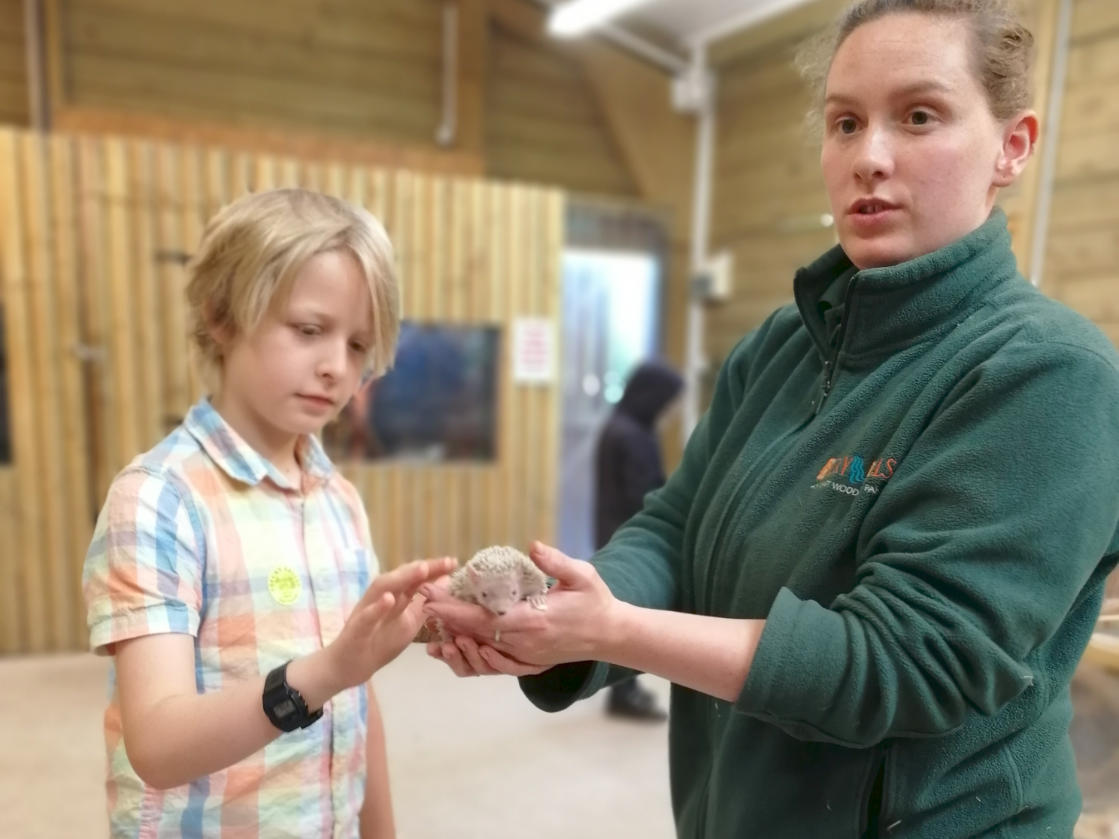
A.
pixel 874 157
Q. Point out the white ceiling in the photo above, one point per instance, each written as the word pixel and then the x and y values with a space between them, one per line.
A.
pixel 685 20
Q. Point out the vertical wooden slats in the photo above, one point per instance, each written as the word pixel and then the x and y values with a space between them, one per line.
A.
pixel 173 202
pixel 26 560
pixel 121 326
pixel 93 233
pixel 93 302
pixel 144 316
pixel 550 271
pixel 75 501
pixel 46 385
pixel 515 418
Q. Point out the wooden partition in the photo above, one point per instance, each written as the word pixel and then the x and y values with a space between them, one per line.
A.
pixel 92 234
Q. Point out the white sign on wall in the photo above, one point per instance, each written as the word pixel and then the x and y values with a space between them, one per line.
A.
pixel 534 351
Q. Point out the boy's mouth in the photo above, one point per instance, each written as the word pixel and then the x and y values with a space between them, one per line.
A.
pixel 318 400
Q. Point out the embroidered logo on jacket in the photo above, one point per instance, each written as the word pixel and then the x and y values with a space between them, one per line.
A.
pixel 850 474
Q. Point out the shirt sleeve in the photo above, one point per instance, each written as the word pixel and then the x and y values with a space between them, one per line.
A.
pixel 976 553
pixel 143 573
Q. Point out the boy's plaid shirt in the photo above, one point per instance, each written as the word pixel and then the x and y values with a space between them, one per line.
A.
pixel 203 536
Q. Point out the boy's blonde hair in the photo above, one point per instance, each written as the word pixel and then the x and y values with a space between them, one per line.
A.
pixel 252 250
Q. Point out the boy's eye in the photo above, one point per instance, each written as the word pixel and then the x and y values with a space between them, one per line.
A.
pixel 358 347
pixel 308 329
pixel 920 117
pixel 846 125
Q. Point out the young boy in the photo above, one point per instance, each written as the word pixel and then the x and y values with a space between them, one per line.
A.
pixel 229 572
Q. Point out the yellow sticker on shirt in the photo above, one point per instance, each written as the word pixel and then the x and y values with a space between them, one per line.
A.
pixel 284 585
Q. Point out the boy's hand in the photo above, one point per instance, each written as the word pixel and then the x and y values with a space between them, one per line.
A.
pixel 384 621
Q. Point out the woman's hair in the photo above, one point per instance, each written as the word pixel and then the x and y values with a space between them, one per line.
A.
pixel 1002 46
pixel 252 250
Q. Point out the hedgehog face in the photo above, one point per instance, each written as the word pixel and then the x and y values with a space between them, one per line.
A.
pixel 498 595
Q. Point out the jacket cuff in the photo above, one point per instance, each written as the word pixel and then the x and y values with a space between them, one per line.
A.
pixel 798 667
pixel 565 684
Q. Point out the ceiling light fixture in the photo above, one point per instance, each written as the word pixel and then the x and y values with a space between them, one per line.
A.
pixel 578 16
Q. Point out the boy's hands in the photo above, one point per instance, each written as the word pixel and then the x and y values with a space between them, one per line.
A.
pixel 384 622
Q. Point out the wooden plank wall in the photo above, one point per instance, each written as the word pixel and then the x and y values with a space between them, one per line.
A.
pixel 543 123
pixel 349 66
pixel 97 348
pixel 13 64
pixel 1082 253
pixel 768 194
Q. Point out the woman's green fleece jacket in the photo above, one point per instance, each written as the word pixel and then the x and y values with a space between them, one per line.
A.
pixel 923 504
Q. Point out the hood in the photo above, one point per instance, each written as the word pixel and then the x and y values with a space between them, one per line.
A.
pixel 650 389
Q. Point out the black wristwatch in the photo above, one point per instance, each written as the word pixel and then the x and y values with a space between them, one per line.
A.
pixel 283 704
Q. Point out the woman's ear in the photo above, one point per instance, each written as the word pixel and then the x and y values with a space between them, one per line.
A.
pixel 1019 139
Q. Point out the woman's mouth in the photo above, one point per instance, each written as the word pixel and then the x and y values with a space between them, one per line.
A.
pixel 870 207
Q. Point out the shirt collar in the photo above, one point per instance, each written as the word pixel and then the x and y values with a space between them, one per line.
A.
pixel 241 461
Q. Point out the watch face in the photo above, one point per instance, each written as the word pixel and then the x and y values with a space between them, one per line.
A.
pixel 284 709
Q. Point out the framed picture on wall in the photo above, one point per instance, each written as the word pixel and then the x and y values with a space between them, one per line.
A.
pixel 437 403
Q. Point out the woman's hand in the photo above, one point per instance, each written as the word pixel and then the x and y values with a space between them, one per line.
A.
pixel 579 623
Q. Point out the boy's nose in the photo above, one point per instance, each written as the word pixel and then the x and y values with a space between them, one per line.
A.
pixel 332 364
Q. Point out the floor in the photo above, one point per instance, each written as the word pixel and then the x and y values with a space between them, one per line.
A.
pixel 455 747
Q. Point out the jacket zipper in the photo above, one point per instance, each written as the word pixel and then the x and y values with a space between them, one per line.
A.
pixel 825 389
pixel 831 364
pixel 737 496
pixel 876 820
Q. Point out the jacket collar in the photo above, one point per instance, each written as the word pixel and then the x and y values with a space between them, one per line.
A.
pixel 898 305
pixel 241 461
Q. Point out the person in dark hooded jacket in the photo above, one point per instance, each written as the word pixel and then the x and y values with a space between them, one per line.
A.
pixel 628 465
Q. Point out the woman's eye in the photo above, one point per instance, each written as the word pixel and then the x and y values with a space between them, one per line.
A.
pixel 920 117
pixel 846 125
pixel 308 329
pixel 358 347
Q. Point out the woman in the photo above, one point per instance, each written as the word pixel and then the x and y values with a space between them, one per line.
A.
pixel 874 572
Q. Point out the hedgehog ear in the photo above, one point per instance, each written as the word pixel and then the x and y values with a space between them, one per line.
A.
pixel 472 572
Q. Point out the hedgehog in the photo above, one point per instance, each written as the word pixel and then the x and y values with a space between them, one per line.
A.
pixel 496 578
pixel 499 577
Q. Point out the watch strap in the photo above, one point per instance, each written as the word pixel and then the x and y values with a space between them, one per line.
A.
pixel 285 706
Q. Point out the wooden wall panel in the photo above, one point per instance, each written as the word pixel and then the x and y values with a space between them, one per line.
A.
pixel 11 599
pixel 46 520
pixel 345 66
pixel 13 64
pixel 92 230
pixel 1082 252
pixel 768 194
pixel 542 121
